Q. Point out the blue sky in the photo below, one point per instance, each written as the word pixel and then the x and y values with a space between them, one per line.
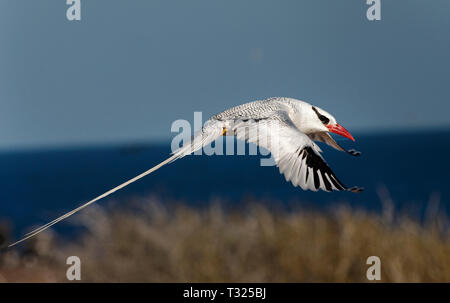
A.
pixel 128 69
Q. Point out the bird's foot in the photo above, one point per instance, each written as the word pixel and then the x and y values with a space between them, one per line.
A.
pixel 354 152
pixel 356 189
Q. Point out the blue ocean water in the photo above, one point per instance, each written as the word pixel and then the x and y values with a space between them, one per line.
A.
pixel 42 184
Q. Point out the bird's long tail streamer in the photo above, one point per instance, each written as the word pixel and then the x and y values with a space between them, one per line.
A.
pixel 44 227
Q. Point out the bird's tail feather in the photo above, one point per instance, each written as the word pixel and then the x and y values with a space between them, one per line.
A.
pixel 44 227
pixel 210 132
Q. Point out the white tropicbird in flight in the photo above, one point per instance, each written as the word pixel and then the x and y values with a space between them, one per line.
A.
pixel 286 127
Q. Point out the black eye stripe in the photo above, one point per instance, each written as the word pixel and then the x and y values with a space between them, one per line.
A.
pixel 322 118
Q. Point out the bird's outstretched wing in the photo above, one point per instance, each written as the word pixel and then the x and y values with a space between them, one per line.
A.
pixel 296 155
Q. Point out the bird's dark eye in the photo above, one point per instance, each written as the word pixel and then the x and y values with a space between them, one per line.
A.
pixel 322 118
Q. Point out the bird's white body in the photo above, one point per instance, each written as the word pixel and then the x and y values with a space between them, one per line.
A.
pixel 286 127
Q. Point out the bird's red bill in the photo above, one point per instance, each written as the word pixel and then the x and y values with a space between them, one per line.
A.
pixel 338 129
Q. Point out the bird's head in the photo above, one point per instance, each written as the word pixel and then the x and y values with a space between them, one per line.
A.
pixel 318 120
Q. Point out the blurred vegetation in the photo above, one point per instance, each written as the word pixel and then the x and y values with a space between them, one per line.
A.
pixel 157 243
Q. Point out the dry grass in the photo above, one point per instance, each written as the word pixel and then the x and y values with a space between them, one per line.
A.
pixel 254 244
